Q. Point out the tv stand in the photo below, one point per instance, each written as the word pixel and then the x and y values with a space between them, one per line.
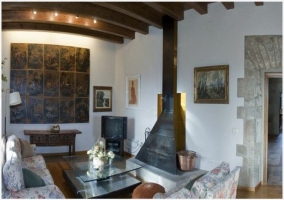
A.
pixel 115 145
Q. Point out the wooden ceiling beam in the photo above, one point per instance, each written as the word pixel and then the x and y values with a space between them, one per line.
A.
pixel 200 7
pixel 86 9
pixel 172 9
pixel 228 5
pixel 61 28
pixel 258 3
pixel 66 19
pixel 136 10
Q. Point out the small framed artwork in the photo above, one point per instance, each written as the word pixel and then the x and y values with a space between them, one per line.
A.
pixel 133 91
pixel 211 84
pixel 102 99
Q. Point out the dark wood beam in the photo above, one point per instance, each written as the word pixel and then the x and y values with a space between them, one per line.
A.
pixel 172 9
pixel 228 5
pixel 136 10
pixel 66 19
pixel 88 10
pixel 61 28
pixel 200 7
pixel 258 3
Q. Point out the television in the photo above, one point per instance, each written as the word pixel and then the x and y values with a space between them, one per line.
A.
pixel 114 127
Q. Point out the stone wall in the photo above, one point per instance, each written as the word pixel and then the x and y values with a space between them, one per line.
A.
pixel 261 53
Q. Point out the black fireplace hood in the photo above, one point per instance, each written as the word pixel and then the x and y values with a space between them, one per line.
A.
pixel 168 134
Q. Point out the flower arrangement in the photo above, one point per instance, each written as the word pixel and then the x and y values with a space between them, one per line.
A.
pixel 99 155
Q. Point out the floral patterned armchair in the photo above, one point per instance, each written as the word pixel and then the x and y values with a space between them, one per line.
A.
pixel 13 183
pixel 219 183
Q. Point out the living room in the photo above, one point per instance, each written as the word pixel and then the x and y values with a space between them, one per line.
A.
pixel 217 132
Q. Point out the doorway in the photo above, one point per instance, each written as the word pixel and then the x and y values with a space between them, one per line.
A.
pixel 272 169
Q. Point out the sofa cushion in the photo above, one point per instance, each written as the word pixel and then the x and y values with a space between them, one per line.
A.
pixel 31 179
pixel 34 162
pixel 209 180
pixel 13 145
pixel 26 148
pixel 45 192
pixel 44 174
pixel 13 175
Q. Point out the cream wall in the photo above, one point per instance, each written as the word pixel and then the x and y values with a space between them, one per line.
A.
pixel 101 74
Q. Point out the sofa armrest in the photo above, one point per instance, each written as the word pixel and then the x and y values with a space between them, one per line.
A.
pixel 34 162
pixel 45 192
pixel 209 180
pixel 180 185
pixel 226 189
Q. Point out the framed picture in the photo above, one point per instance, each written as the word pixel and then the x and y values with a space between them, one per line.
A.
pixel 211 84
pixel 102 99
pixel 133 91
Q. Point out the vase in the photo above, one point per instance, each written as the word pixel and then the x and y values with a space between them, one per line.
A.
pixel 97 163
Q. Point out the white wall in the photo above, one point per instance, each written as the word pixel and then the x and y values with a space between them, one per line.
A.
pixel 141 56
pixel 216 38
pixel 102 59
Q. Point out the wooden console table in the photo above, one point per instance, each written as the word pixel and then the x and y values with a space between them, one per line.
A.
pixel 47 138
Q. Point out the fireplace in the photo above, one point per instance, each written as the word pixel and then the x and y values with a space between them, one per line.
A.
pixel 168 134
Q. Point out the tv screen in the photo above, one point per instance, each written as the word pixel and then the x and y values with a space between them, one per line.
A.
pixel 114 127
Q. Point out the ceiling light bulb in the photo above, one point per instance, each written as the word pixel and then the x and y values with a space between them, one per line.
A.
pixel 34 12
pixel 56 14
pixel 95 21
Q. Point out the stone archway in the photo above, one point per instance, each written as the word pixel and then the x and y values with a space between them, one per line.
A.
pixel 261 53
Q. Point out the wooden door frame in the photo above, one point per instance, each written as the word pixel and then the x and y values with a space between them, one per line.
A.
pixel 267 76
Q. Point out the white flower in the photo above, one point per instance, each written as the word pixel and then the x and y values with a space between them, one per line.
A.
pixel 101 143
pixel 97 148
pixel 110 154
pixel 97 162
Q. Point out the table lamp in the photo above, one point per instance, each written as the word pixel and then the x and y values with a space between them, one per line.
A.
pixel 14 99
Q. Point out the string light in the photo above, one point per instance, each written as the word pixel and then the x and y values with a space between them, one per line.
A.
pixel 34 12
pixel 95 21
pixel 77 16
pixel 56 14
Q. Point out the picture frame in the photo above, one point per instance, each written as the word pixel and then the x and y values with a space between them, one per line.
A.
pixel 211 84
pixel 133 91
pixel 102 99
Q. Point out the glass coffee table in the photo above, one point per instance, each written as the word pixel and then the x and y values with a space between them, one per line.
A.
pixel 112 181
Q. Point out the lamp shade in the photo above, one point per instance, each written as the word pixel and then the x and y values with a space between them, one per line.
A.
pixel 15 99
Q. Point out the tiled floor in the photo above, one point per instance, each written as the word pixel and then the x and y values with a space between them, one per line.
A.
pixel 274 160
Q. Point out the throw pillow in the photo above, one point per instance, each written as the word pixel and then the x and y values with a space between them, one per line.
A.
pixel 26 149
pixel 191 182
pixel 31 179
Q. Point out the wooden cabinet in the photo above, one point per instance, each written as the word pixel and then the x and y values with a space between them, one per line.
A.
pixel 117 146
pixel 47 138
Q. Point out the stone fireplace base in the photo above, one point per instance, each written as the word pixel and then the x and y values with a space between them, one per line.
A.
pixel 149 173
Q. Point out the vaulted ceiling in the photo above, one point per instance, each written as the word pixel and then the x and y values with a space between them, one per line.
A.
pixel 110 21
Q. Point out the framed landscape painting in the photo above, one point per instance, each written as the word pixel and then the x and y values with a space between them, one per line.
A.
pixel 211 84
pixel 102 99
pixel 133 91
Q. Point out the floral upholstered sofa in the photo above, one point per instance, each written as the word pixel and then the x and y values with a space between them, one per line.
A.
pixel 24 174
pixel 218 183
